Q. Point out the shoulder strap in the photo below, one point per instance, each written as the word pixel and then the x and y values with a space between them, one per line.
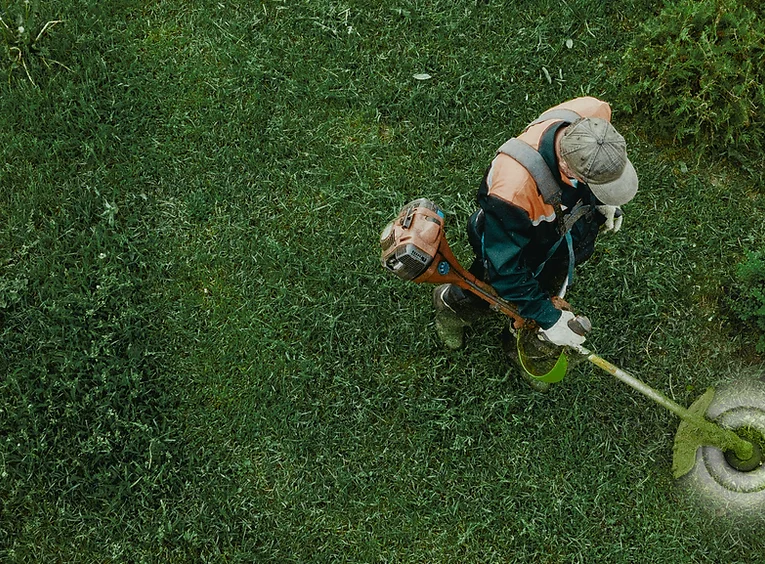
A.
pixel 533 162
pixel 561 113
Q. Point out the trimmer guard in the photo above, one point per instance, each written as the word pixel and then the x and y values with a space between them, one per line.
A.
pixel 539 370
pixel 689 438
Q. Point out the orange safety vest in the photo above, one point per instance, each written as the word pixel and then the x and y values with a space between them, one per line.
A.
pixel 512 181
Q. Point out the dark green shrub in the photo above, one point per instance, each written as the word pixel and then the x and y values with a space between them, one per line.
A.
pixel 749 295
pixel 696 73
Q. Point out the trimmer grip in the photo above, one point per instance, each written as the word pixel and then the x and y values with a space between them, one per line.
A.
pixel 580 325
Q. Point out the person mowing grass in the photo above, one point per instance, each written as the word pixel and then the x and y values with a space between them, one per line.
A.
pixel 544 199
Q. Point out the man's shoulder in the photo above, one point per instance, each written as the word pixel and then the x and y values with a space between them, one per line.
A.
pixel 587 106
pixel 511 183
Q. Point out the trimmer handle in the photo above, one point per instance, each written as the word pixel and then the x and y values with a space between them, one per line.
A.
pixel 580 325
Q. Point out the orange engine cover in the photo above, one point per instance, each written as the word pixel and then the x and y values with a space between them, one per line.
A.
pixel 410 242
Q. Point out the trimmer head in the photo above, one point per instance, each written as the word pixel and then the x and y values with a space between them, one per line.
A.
pixel 689 438
pixel 719 480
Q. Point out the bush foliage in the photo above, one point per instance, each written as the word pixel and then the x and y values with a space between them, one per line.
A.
pixel 696 73
pixel 749 299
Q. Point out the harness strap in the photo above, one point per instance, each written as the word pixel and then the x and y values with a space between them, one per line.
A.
pixel 533 162
pixel 551 252
pixel 571 259
pixel 576 213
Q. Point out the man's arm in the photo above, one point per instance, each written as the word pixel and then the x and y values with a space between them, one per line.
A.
pixel 504 241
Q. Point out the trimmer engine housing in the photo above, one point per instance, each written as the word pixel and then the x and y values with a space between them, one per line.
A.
pixel 414 247
pixel 410 242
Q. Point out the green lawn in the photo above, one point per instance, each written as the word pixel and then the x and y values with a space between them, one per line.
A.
pixel 202 359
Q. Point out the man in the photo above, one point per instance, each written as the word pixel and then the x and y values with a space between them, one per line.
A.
pixel 543 201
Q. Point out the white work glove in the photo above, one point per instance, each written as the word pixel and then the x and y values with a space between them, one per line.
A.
pixel 613 223
pixel 561 334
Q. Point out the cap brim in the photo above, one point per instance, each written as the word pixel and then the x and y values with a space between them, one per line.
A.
pixel 620 191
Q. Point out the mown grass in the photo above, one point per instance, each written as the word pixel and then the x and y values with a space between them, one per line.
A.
pixel 203 360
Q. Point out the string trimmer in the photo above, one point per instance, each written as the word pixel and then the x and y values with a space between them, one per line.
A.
pixel 414 247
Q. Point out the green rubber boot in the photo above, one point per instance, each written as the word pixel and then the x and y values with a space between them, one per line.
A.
pixel 449 326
